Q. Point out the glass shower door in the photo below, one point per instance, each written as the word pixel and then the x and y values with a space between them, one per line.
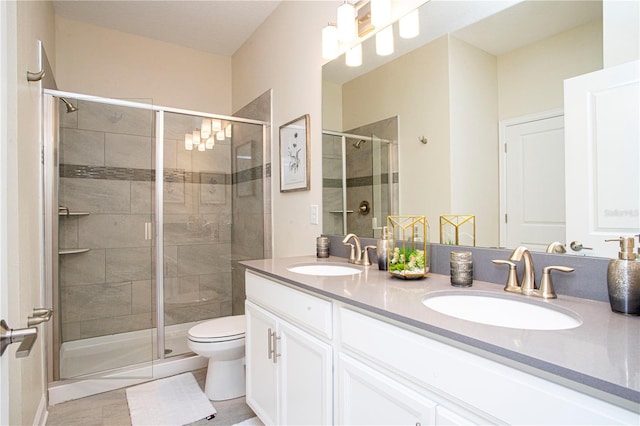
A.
pixel 105 305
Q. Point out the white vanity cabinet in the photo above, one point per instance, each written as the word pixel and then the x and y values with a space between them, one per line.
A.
pixel 289 362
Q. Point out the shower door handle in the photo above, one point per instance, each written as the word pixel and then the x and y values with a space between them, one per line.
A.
pixel 148 231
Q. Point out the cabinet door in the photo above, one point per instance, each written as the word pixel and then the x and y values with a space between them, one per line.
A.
pixel 368 397
pixel 262 389
pixel 305 377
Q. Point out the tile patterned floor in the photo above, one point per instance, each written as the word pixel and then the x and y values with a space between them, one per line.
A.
pixel 111 409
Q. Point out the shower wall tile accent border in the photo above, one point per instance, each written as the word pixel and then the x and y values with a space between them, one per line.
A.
pixel 358 181
pixel 170 175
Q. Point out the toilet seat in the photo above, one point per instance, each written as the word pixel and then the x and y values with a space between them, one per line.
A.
pixel 219 330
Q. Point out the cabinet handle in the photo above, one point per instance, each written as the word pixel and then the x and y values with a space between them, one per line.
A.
pixel 275 347
pixel 270 343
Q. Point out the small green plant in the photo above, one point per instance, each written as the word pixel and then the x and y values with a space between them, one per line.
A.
pixel 406 259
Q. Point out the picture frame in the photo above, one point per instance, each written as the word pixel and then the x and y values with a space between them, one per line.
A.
pixel 294 155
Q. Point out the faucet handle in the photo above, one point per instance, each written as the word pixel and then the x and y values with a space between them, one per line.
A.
pixel 512 285
pixel 365 258
pixel 352 253
pixel 546 290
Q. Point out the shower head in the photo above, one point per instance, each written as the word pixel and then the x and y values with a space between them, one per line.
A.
pixel 69 105
pixel 356 145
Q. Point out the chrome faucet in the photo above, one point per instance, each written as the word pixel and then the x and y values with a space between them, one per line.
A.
pixel 529 279
pixel 556 247
pixel 355 256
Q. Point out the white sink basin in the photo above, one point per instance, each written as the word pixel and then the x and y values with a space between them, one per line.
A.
pixel 325 269
pixel 492 309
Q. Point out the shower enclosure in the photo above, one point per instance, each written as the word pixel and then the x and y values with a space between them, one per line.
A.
pixel 145 229
pixel 360 183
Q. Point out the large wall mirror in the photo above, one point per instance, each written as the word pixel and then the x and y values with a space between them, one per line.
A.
pixel 447 101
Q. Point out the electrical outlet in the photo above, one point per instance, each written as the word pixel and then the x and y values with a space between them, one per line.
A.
pixel 313 214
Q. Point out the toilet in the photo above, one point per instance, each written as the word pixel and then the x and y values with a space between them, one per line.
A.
pixel 221 340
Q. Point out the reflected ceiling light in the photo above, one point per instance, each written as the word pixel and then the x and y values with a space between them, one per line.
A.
pixel 410 25
pixel 216 125
pixel 380 12
pixel 188 141
pixel 227 130
pixel 384 41
pixel 196 137
pixel 346 22
pixel 201 147
pixel 220 135
pixel 210 142
pixel 205 129
pixel 330 42
pixel 353 57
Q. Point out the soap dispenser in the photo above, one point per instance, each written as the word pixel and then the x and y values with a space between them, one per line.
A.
pixel 382 249
pixel 623 279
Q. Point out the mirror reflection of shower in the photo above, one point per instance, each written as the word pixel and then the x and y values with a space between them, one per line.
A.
pixel 69 105
pixel 356 145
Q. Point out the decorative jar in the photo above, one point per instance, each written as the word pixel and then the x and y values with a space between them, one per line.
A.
pixel 408 256
pixel 458 229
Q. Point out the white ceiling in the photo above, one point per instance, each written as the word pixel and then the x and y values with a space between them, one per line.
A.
pixel 215 26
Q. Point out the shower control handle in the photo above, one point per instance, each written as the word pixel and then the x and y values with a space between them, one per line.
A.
pixel 26 337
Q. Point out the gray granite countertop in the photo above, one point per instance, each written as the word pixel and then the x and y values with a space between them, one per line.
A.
pixel 600 357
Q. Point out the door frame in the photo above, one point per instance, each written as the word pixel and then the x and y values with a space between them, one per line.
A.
pixel 502 158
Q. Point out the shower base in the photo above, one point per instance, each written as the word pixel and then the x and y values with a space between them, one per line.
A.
pixel 100 364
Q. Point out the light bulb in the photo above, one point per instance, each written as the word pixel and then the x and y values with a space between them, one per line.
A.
pixel 380 12
pixel 188 141
pixel 220 135
pixel 330 43
pixel 346 23
pixel 216 125
pixel 410 25
pixel 384 41
pixel 205 129
pixel 353 58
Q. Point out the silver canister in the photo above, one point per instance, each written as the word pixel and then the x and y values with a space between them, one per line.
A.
pixel 322 247
pixel 461 269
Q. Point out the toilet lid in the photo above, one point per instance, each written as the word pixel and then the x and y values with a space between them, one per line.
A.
pixel 219 327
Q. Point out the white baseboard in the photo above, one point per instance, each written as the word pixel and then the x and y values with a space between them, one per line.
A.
pixel 42 413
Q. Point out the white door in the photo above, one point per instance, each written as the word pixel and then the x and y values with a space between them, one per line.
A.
pixel 534 198
pixel 306 378
pixel 262 390
pixel 602 156
pixel 367 397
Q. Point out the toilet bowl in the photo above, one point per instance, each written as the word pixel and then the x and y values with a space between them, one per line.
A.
pixel 222 341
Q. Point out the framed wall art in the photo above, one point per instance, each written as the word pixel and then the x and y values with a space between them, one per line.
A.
pixel 294 155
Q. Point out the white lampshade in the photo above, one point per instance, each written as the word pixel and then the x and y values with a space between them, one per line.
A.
pixel 205 129
pixel 216 125
pixel 384 41
pixel 201 147
pixel 188 141
pixel 353 57
pixel 346 23
pixel 330 43
pixel 210 142
pixel 227 131
pixel 410 25
pixel 196 138
pixel 220 135
pixel 380 12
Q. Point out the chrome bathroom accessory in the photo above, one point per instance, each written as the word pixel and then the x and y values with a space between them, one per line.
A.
pixel 27 337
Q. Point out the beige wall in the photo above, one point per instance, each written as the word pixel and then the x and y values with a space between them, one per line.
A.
pixel 285 54
pixel 27 381
pixel 102 62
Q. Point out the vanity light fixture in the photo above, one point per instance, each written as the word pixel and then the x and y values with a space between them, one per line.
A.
pixel 384 41
pixel 188 142
pixel 210 142
pixel 330 42
pixel 353 57
pixel 409 25
pixel 216 125
pixel 380 12
pixel 205 129
pixel 201 147
pixel 227 130
pixel 346 22
pixel 220 135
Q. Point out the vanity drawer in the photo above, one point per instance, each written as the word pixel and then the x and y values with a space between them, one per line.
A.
pixel 300 308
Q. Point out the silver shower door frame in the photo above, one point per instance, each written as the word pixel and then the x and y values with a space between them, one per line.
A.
pixel 50 152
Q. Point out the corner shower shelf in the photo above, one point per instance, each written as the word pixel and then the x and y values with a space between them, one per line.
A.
pixel 73 251
pixel 63 214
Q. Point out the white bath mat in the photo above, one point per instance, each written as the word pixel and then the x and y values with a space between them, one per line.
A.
pixel 253 421
pixel 176 400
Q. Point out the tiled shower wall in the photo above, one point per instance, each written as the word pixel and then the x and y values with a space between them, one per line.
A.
pixel 106 169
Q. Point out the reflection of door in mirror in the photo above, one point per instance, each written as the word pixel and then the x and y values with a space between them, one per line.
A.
pixel 533 192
